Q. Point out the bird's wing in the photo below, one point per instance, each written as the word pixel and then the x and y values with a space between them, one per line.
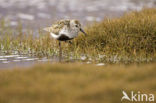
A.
pixel 56 27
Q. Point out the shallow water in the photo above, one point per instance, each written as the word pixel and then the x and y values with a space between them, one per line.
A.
pixel 41 13
pixel 12 61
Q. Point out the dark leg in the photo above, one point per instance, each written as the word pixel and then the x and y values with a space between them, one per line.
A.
pixel 60 51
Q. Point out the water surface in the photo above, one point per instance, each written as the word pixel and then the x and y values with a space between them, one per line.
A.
pixel 40 13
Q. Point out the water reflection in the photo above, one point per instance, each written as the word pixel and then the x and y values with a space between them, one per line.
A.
pixel 11 61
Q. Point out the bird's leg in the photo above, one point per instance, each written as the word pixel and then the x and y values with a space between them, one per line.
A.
pixel 60 51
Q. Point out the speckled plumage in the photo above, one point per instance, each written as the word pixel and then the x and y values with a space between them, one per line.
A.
pixel 67 29
pixel 64 30
pixel 56 27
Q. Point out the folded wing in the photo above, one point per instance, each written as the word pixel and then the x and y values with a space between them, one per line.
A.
pixel 56 27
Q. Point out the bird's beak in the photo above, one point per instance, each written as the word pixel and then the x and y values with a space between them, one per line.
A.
pixel 83 32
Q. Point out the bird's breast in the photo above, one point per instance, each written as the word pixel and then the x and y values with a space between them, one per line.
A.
pixel 69 33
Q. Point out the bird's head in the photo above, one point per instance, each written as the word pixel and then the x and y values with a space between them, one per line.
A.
pixel 75 25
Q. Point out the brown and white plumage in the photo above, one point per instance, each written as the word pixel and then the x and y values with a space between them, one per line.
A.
pixel 56 27
pixel 65 29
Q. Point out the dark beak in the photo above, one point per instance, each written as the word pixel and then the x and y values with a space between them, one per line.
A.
pixel 83 32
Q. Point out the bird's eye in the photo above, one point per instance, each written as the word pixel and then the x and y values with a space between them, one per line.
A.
pixel 76 25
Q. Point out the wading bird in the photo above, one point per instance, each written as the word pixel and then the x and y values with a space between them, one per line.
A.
pixel 64 30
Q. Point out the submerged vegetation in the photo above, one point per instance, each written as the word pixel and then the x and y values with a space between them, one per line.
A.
pixel 130 38
pixel 75 84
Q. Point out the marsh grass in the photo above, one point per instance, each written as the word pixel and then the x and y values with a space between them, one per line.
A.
pixel 75 83
pixel 130 38
pixel 19 41
pixel 132 35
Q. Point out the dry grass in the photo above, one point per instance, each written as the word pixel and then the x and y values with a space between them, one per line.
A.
pixel 131 36
pixel 75 83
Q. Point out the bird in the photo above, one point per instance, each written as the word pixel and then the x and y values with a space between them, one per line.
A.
pixel 65 30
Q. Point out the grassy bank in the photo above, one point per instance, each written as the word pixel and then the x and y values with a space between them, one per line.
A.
pixel 75 84
pixel 130 38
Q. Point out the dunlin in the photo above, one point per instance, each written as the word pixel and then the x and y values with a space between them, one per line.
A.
pixel 65 30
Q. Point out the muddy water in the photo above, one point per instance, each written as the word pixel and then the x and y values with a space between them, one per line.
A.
pixel 37 14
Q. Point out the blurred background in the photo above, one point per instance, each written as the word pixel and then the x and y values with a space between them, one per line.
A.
pixel 40 13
